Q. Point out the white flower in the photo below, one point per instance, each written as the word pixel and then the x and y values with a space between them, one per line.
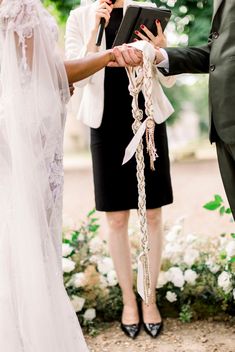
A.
pixel 112 278
pixel 191 256
pixel 223 241
pixel 213 267
pixel 171 249
pixel 89 314
pixel 78 280
pixel 66 249
pixel 171 296
pixel 234 294
pixel 162 279
pixel 103 282
pixel 190 276
pixel 173 233
pixel 190 238
pixel 68 265
pixel 105 265
pixel 78 303
pixel 176 276
pixel 81 237
pixel 224 281
pixel 96 245
pixel 230 249
pixel 94 259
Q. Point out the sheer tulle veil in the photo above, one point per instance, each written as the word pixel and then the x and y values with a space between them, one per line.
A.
pixel 35 312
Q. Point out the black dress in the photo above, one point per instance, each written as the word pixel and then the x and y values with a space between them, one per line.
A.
pixel 116 185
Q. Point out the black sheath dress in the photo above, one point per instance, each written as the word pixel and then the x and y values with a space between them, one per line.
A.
pixel 116 185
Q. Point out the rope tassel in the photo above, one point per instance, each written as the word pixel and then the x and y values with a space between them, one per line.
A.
pixel 151 148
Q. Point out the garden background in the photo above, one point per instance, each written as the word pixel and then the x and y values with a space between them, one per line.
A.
pixel 196 289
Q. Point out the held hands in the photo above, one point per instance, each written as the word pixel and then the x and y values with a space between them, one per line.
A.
pixel 157 41
pixel 124 55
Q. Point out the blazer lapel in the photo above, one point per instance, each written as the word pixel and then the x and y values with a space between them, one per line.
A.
pixel 217 4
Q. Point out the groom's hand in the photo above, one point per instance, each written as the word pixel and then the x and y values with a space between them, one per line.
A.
pixel 159 57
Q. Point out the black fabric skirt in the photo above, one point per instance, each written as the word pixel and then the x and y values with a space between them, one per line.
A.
pixel 116 184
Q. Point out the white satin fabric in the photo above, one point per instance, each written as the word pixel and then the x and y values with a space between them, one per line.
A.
pixel 35 312
pixel 161 105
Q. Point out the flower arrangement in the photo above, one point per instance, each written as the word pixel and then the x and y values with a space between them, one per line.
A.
pixel 197 277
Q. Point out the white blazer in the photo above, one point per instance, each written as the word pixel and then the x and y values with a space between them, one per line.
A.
pixel 90 93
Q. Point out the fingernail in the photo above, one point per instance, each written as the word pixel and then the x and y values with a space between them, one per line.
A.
pixel 136 32
pixel 135 40
pixel 158 21
pixel 142 26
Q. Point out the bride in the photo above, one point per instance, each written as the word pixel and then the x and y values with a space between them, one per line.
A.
pixel 36 315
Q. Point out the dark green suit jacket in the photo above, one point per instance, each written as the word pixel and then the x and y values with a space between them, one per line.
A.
pixel 218 59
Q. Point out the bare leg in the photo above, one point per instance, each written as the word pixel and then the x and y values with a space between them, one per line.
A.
pixel 120 253
pixel 154 220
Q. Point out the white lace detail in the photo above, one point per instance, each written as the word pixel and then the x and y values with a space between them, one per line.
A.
pixel 56 175
pixel 20 15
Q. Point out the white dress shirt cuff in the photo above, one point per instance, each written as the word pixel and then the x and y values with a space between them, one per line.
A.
pixel 165 63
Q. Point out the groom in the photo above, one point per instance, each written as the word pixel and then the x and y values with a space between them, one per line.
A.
pixel 218 59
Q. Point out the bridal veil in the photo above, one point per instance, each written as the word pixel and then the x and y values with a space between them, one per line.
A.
pixel 35 312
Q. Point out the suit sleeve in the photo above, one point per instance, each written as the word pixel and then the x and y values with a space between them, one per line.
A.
pixel 188 60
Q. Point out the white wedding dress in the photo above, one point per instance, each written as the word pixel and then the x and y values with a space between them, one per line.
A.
pixel 35 312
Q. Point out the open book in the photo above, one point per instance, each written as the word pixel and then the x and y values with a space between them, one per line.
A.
pixel 137 15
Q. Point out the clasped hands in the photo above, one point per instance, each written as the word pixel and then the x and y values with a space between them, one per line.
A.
pixel 125 55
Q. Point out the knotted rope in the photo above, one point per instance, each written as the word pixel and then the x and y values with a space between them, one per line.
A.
pixel 141 79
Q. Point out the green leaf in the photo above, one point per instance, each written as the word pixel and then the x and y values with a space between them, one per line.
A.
pixel 211 205
pixel 228 211
pixel 223 255
pixel 233 235
pixel 92 212
pixel 222 210
pixel 232 260
pixel 218 198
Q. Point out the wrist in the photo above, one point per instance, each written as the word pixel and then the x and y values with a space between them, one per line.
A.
pixel 110 55
pixel 158 57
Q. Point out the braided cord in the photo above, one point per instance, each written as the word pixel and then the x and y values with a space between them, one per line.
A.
pixel 142 78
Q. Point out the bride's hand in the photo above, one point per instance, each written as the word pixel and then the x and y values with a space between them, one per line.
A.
pixel 157 41
pixel 125 55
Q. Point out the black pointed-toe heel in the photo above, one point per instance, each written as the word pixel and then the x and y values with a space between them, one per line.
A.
pixel 153 329
pixel 131 330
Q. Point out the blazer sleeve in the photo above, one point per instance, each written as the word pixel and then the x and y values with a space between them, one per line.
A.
pixel 75 48
pixel 188 60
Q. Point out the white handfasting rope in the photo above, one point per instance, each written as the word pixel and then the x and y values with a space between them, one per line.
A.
pixel 141 78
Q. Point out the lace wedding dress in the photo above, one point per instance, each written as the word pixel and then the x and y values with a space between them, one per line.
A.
pixel 35 311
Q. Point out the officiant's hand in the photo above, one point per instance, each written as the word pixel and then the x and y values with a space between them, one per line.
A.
pixel 157 41
pixel 103 10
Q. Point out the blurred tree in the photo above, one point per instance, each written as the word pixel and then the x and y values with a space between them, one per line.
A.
pixel 191 17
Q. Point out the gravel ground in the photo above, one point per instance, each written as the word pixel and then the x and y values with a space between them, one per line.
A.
pixel 194 183
pixel 201 336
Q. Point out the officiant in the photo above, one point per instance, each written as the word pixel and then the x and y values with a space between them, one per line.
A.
pixel 105 106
